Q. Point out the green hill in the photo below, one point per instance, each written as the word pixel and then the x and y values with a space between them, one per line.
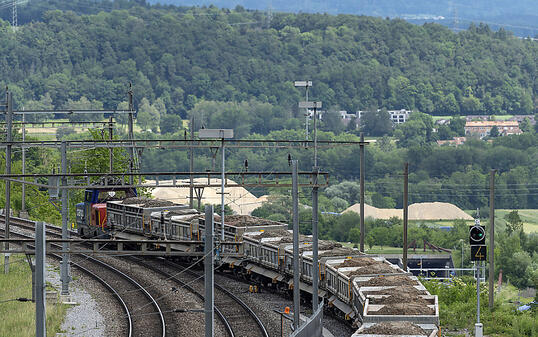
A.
pixel 182 55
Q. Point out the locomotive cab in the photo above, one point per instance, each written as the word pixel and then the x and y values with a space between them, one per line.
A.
pixel 91 215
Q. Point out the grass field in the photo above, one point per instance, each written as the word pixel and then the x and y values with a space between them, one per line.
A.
pixel 18 318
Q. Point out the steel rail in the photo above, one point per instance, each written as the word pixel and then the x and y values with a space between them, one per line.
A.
pixel 24 223
pixel 236 299
pixel 184 284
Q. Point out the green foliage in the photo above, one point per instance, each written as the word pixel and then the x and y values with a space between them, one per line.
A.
pixel 184 55
pixel 513 222
pixel 376 122
pixel 457 303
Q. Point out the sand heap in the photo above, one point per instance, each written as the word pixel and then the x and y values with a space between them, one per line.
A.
pixel 437 211
pixel 418 211
pixel 374 212
pixel 239 199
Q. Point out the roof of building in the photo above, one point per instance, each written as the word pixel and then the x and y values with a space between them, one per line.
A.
pixel 491 123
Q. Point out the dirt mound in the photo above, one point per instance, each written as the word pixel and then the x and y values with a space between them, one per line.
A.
pixel 246 220
pixel 340 251
pixel 376 213
pixel 389 281
pixel 395 328
pixel 358 262
pixel 399 298
pixel 147 202
pixel 409 308
pixel 240 200
pixel 381 268
pixel 418 211
pixel 436 211
pixel 409 291
pixel 275 234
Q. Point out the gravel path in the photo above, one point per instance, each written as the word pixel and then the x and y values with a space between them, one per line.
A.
pixel 85 318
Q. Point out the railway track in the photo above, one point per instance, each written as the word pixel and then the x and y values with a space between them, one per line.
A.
pixel 240 320
pixel 142 314
pixel 237 317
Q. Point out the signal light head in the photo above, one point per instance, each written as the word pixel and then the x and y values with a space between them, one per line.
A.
pixel 477 235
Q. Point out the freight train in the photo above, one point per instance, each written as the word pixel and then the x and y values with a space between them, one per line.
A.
pixel 377 297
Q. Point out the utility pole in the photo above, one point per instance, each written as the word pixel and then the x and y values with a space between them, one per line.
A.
pixel 9 131
pixel 222 182
pixel 479 328
pixel 209 254
pixel 296 271
pixel 362 168
pixel 23 197
pixel 40 259
pixel 315 271
pixel 14 16
pixel 491 237
pixel 405 214
pixel 306 85
pixel 130 132
pixel 64 271
pixel 315 263
pixel 191 165
pixel 110 150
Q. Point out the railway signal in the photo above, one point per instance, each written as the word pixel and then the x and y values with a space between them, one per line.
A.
pixel 477 239
pixel 477 235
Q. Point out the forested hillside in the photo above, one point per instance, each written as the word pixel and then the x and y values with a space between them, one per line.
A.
pixel 184 55
pixel 519 16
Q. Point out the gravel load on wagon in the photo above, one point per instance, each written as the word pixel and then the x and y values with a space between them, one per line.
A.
pixel 275 234
pixel 358 262
pixel 409 291
pixel 410 308
pixel 391 280
pixel 246 221
pixel 340 251
pixel 322 245
pixel 394 328
pixel 399 298
pixel 380 268
pixel 147 202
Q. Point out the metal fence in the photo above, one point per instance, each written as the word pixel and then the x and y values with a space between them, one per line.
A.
pixel 313 326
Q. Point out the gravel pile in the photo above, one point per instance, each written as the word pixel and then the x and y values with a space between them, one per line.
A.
pixel 411 308
pixel 147 202
pixel 395 328
pixel 391 280
pixel 357 262
pixel 275 234
pixel 380 268
pixel 246 220
pixel 340 251
pixel 398 298
pixel 409 291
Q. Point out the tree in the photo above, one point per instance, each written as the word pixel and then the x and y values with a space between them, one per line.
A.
pixel 513 222
pixel 170 124
pixel 416 131
pixel 376 122
pixel 525 125
pixel 494 132
pixel 355 235
pixel 44 103
pixel 84 104
pixel 148 116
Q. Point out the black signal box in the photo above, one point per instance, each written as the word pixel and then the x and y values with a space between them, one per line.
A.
pixel 479 253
